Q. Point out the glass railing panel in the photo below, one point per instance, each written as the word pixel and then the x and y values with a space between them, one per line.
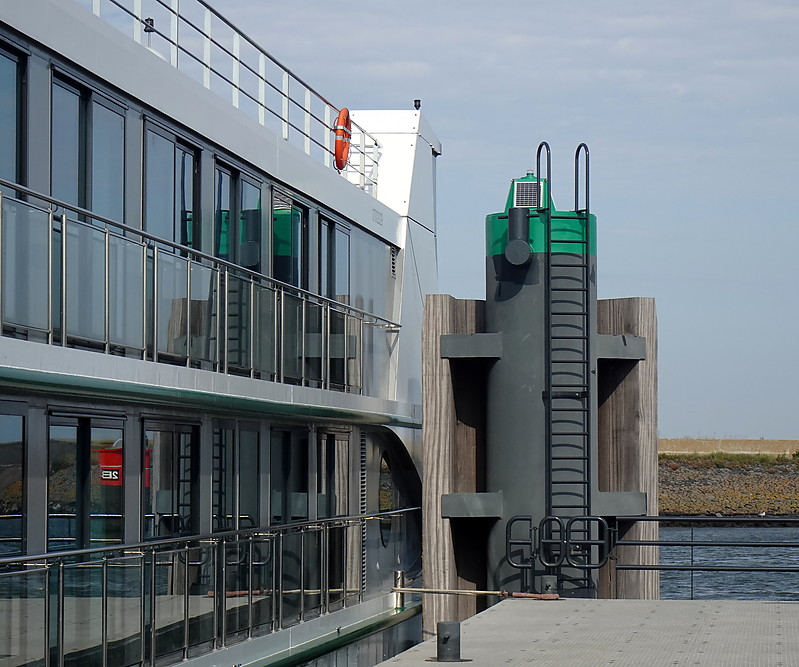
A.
pixel 314 343
pixel 337 349
pixel 82 613
pixel 202 585
pixel 126 292
pixel 353 353
pixel 170 611
pixel 264 349
pixel 379 343
pixel 125 609
pixel 22 617
pixel 237 589
pixel 204 313
pixel 290 578
pixel 263 585
pixel 291 338
pixel 353 537
pixel 25 258
pixel 238 322
pixel 312 578
pixel 85 282
pixel 171 303
pixel 336 563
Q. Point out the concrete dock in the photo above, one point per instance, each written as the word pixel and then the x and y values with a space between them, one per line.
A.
pixel 572 632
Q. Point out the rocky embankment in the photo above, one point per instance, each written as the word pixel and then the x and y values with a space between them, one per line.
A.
pixel 729 484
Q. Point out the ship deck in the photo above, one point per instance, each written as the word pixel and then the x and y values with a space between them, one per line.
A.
pixel 625 632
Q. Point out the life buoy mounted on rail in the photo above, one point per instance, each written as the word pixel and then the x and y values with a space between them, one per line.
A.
pixel 343 130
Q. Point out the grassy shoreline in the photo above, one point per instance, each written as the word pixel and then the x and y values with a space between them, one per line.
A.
pixel 729 484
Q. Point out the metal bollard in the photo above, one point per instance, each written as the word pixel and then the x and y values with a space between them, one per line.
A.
pixel 399 582
pixel 448 641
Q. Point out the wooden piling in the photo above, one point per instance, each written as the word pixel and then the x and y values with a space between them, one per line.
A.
pixel 453 459
pixel 628 444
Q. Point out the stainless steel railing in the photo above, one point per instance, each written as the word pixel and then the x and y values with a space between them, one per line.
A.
pixel 197 40
pixel 74 278
pixel 171 599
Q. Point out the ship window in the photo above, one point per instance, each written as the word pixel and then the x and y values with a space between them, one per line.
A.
pixel 67 183
pixel 87 151
pixel 10 100
pixel 170 473
pixel 333 474
pixel 387 499
pixel 84 483
pixel 107 162
pixel 11 483
pixel 334 261
pixel 170 187
pixel 237 219
pixel 290 241
pixel 236 462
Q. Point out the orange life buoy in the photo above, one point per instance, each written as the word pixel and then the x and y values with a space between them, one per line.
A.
pixel 343 130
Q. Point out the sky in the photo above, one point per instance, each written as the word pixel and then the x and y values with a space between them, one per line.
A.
pixel 691 113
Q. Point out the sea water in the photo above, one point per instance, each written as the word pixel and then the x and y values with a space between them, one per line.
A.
pixel 731 585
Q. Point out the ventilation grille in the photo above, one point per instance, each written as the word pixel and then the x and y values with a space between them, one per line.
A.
pixel 527 194
pixel 362 506
pixel 393 262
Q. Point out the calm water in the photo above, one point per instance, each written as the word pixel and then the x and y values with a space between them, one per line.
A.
pixel 730 585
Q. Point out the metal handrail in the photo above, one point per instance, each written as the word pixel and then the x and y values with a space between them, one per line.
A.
pixel 369 163
pixel 709 520
pixel 153 239
pixel 270 580
pixel 261 531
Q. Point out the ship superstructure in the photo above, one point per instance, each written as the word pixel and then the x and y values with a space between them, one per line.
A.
pixel 210 355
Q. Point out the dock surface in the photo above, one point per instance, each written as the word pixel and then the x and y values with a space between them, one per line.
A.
pixel 572 632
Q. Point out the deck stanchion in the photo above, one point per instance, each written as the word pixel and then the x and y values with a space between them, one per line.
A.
pixel 156 285
pixel 64 279
pixel 104 605
pixel 249 584
pixel 223 590
pixel 174 42
pixel 142 613
pixel 186 560
pixel 47 602
pixel 107 294
pixel 188 312
pixel 278 583
pixel 60 611
pixel 226 319
pixel 153 606
pixel 252 328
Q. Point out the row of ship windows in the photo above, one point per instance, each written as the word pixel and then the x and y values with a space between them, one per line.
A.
pixel 257 478
pixel 91 148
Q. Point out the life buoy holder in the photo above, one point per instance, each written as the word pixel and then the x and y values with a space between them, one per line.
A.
pixel 343 130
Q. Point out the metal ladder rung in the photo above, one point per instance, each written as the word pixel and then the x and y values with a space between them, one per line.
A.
pixel 569 409
pixel 581 482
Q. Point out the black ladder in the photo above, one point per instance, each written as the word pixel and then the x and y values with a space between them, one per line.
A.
pixel 567 394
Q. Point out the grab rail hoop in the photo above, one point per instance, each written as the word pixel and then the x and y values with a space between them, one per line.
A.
pixel 582 148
